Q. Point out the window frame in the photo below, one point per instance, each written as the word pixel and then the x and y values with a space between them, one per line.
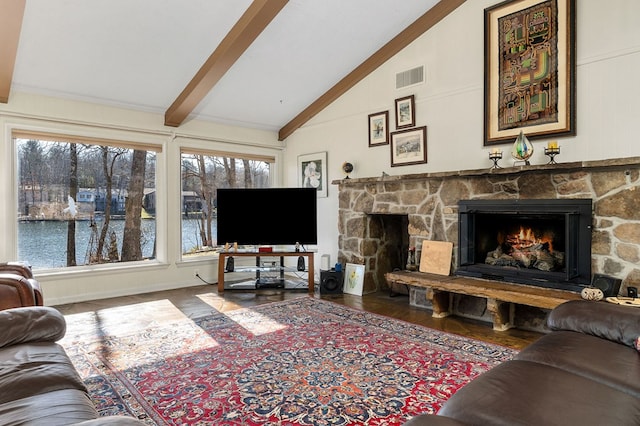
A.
pixel 267 155
pixel 97 135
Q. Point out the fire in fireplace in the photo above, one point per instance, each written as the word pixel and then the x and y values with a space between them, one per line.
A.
pixel 539 242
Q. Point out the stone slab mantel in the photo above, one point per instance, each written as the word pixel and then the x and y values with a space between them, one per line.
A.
pixel 575 166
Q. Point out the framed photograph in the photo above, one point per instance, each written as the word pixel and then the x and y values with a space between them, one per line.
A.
pixel 379 128
pixel 530 68
pixel 409 146
pixel 312 172
pixel 353 279
pixel 405 112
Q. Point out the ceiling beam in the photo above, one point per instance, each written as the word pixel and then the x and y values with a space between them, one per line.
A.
pixel 255 19
pixel 386 52
pixel 10 25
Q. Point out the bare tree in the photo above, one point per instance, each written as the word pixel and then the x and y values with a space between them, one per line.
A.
pixel 230 171
pixel 73 193
pixel 107 168
pixel 132 236
pixel 248 178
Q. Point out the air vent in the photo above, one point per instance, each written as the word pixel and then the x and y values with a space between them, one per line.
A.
pixel 410 77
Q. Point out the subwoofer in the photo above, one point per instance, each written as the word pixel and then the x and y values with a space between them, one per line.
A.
pixel 330 282
pixel 610 286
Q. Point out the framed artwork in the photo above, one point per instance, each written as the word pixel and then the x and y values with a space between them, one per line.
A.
pixel 353 279
pixel 530 68
pixel 379 128
pixel 405 112
pixel 312 172
pixel 409 146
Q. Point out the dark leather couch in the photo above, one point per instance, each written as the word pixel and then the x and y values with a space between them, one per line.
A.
pixel 38 383
pixel 586 371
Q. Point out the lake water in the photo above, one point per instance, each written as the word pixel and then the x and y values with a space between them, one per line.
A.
pixel 44 243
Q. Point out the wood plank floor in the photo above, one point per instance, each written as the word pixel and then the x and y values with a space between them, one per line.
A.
pixel 202 300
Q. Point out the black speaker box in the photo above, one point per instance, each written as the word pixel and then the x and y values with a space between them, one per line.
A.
pixel 610 286
pixel 330 282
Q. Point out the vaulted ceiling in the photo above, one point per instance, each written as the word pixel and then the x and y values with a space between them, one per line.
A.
pixel 265 64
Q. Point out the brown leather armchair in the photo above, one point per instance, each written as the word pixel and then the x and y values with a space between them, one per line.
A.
pixel 18 288
pixel 18 268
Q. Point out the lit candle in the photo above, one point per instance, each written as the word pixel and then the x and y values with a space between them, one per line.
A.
pixel 552 145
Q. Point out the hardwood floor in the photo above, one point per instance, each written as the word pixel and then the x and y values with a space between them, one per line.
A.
pixel 202 300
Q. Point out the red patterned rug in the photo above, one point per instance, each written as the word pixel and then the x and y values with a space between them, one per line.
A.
pixel 303 361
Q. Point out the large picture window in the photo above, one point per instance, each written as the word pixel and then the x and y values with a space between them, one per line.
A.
pixel 83 202
pixel 202 174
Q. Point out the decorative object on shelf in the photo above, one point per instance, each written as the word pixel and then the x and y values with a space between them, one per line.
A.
pixel 411 260
pixel 592 293
pixel 379 128
pixel 552 150
pixel 347 168
pixel 354 279
pixel 405 112
pixel 528 42
pixel 312 172
pixel 409 146
pixel 495 155
pixel 522 149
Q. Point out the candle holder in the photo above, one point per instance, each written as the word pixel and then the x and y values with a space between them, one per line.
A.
pixel 551 153
pixel 495 156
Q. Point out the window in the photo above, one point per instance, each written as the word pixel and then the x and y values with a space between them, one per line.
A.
pixel 84 202
pixel 202 174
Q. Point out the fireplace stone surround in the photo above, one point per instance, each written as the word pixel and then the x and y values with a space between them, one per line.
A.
pixel 430 203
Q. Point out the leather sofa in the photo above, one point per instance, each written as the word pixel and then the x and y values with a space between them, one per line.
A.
pixel 585 371
pixel 18 287
pixel 38 383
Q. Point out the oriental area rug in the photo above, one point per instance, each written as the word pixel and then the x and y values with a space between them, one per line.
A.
pixel 302 361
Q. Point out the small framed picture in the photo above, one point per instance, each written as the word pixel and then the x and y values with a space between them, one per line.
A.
pixel 405 112
pixel 379 128
pixel 312 172
pixel 353 279
pixel 409 146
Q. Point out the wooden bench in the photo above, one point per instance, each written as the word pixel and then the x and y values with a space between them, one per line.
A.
pixel 500 295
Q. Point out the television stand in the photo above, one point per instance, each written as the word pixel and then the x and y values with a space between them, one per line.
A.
pixel 266 282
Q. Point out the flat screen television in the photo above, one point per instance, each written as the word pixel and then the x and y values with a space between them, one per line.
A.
pixel 267 216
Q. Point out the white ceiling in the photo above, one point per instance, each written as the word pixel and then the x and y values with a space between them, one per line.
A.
pixel 141 54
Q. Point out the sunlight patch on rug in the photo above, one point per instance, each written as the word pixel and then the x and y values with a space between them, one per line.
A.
pixel 303 361
pixel 256 323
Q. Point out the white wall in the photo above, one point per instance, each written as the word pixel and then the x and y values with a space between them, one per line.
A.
pixel 30 112
pixel 450 102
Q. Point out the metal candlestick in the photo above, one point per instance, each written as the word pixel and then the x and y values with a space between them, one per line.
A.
pixel 495 156
pixel 552 152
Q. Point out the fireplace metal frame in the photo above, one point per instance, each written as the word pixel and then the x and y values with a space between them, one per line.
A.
pixel 578 228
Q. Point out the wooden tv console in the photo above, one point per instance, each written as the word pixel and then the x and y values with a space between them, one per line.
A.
pixel 282 254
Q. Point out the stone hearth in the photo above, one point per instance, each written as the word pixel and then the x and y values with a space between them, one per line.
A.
pixel 430 203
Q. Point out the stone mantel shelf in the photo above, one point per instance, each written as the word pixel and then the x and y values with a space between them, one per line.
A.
pixel 557 168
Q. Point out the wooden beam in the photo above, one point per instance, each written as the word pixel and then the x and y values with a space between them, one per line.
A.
pixel 244 32
pixel 386 52
pixel 10 25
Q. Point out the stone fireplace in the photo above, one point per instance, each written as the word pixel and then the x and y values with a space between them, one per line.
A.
pixel 428 206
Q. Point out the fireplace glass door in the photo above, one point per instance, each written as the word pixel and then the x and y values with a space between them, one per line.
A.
pixel 540 242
